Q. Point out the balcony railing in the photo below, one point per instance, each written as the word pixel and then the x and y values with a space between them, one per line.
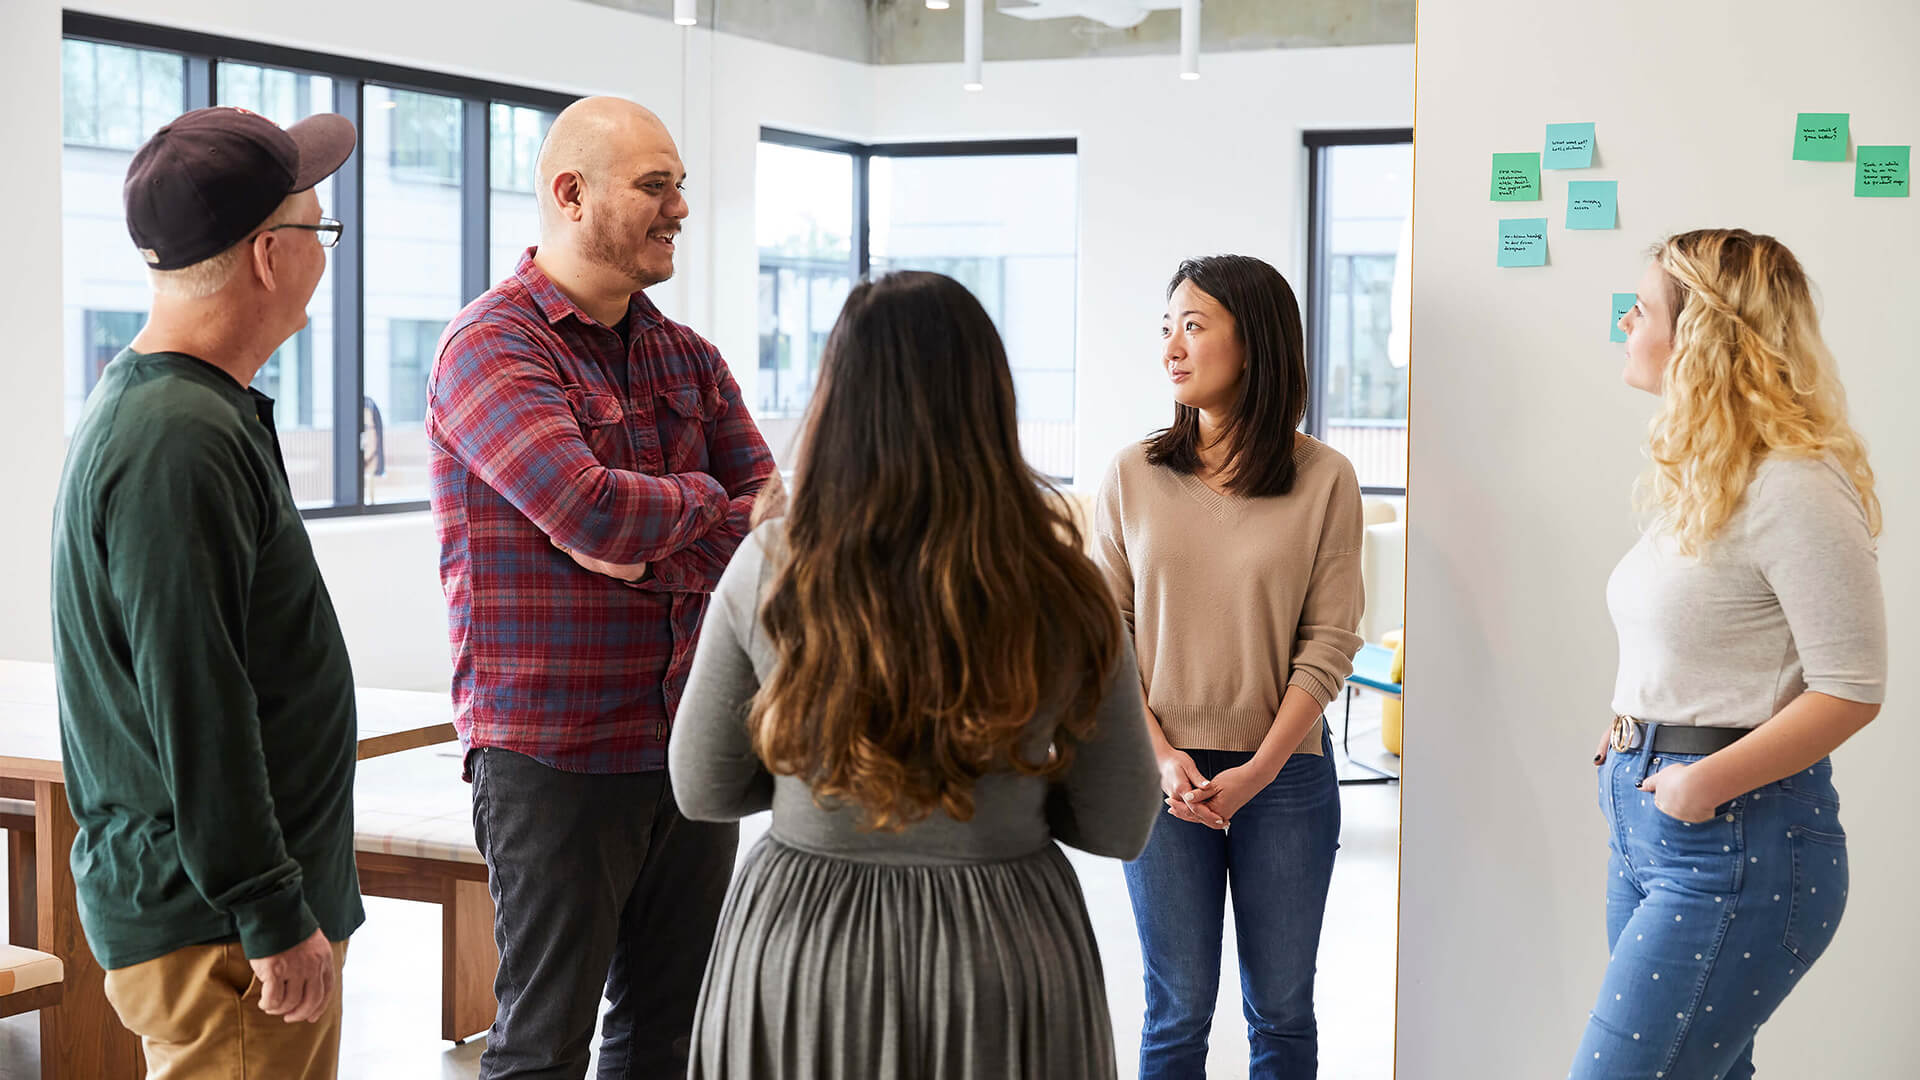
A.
pixel 1377 448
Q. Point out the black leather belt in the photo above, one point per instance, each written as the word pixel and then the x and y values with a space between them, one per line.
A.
pixel 1631 734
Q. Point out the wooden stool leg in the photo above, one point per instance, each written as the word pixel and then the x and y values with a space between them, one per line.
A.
pixel 23 871
pixel 81 1038
pixel 468 961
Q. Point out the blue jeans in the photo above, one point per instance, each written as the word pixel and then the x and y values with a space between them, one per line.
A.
pixel 1710 926
pixel 1278 856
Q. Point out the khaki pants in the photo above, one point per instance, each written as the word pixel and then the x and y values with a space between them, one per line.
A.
pixel 197 1012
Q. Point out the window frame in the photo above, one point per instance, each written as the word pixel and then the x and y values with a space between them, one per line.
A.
pixel 351 76
pixel 1317 143
pixel 861 263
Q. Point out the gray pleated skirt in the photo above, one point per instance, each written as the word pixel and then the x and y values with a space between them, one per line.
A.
pixel 827 968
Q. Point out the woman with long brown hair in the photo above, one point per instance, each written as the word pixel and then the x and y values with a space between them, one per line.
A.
pixel 921 673
pixel 1752 644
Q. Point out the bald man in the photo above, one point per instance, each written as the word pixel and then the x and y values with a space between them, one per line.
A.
pixel 593 471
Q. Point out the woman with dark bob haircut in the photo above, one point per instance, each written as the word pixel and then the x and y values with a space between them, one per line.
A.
pixel 1232 543
pixel 921 673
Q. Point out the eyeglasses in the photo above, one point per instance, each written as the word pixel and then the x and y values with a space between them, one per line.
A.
pixel 327 232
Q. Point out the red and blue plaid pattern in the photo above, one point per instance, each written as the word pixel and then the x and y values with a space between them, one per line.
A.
pixel 545 425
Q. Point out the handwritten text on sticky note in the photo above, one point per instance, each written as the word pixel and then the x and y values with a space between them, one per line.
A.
pixel 1516 177
pixel 1569 146
pixel 1882 172
pixel 1820 137
pixel 1523 242
pixel 1592 204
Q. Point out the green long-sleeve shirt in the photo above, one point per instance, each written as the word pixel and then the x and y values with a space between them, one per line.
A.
pixel 206 701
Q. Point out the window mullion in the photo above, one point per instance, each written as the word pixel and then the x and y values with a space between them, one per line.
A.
pixel 862 207
pixel 1319 281
pixel 349 333
pixel 200 88
pixel 475 184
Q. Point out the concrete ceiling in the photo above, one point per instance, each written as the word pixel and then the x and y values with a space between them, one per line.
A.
pixel 906 32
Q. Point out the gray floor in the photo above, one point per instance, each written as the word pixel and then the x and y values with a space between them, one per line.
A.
pixel 393 1009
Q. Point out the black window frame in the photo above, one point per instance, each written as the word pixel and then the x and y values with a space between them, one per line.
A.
pixel 350 75
pixel 1317 143
pixel 861 261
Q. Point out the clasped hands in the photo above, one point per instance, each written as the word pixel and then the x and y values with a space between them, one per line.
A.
pixel 1210 802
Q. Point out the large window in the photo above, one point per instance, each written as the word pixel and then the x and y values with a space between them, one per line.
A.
pixel 413 207
pixel 803 217
pixel 514 135
pixel 1003 226
pixel 299 377
pixel 998 217
pixel 113 97
pixel 437 202
pixel 422 137
pixel 1361 199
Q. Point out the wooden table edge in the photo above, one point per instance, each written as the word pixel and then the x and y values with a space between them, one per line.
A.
pixel 20 768
pixel 394 742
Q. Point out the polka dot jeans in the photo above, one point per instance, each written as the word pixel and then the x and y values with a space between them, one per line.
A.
pixel 1710 925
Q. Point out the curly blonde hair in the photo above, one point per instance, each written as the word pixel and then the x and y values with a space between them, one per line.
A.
pixel 1749 376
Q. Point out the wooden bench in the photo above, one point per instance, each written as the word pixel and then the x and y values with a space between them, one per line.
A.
pixel 413 840
pixel 29 980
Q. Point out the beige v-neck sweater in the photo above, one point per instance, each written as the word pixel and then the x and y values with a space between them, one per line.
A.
pixel 1230 600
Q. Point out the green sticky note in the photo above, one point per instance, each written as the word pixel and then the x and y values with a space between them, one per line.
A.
pixel 1622 303
pixel 1516 177
pixel 1569 146
pixel 1523 242
pixel 1882 172
pixel 1592 204
pixel 1820 136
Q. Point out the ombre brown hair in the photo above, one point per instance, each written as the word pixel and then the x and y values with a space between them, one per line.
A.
pixel 930 595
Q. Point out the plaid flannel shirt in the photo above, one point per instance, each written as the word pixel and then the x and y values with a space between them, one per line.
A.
pixel 544 425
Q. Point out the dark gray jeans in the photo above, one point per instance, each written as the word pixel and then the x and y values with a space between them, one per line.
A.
pixel 597 881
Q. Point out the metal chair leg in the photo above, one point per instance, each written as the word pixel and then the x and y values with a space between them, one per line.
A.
pixel 1380 776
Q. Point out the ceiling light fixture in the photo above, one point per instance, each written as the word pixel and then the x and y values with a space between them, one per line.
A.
pixel 685 12
pixel 976 42
pixel 1190 39
pixel 938 5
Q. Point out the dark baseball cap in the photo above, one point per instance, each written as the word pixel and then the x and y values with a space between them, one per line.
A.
pixel 206 180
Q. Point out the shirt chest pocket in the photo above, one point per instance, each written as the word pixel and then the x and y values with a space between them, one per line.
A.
pixel 684 413
pixel 602 424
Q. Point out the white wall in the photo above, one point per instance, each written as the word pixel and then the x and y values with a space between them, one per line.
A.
pixel 1524 451
pixel 1168 169
pixel 32 440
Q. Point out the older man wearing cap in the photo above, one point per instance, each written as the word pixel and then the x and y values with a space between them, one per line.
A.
pixel 206 704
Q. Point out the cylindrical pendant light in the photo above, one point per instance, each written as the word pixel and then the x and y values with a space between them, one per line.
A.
pixel 685 12
pixel 938 5
pixel 976 41
pixel 1189 39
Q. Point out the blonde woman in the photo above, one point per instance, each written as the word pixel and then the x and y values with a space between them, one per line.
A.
pixel 1752 643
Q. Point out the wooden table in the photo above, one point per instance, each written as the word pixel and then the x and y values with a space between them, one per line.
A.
pixel 81 1038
